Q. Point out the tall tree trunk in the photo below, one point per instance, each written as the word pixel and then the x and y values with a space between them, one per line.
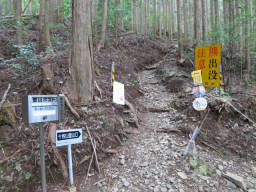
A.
pixel 146 16
pixel 247 38
pixel 94 8
pixel 196 22
pixel 212 15
pixel 132 15
pixel 164 5
pixel 154 17
pixel 103 26
pixel 160 17
pixel 81 52
pixel 44 32
pixel 185 17
pixel 122 13
pixel 137 16
pixel 52 11
pixel 204 19
pixel 217 17
pixel 179 29
pixel 1 9
pixel 238 25
pixel 60 11
pixel 18 9
pixel 142 16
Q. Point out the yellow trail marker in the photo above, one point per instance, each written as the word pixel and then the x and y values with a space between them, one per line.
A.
pixel 197 77
pixel 208 60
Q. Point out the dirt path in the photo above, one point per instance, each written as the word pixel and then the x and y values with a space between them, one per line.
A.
pixel 153 161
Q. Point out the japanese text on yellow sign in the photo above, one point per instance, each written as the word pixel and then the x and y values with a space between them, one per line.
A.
pixel 208 59
pixel 197 77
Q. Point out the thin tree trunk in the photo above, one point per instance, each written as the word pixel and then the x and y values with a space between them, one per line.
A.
pixel 160 18
pixel 146 16
pixel 103 26
pixel 204 19
pixel 18 9
pixel 212 15
pixel 60 11
pixel 179 29
pixel 122 14
pixel 1 9
pixel 137 16
pixel 247 38
pixel 196 22
pixel 44 32
pixel 238 26
pixel 81 52
pixel 154 17
pixel 217 17
pixel 132 14
pixel 185 17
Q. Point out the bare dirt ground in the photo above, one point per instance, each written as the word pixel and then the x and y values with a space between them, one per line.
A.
pixel 153 160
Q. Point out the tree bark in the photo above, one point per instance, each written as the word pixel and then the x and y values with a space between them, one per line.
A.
pixel 137 16
pixel 204 19
pixel 44 31
pixel 18 9
pixel 122 14
pixel 185 17
pixel 132 15
pixel 103 26
pixel 212 15
pixel 217 17
pixel 179 29
pixel 247 38
pixel 81 52
pixel 154 17
pixel 160 18
pixel 196 22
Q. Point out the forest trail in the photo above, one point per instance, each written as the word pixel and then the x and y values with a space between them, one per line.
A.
pixel 152 159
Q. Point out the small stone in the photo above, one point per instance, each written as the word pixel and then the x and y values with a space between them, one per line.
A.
pixel 252 190
pixel 146 182
pixel 237 180
pixel 182 175
pixel 122 162
pixel 121 157
pixel 218 172
pixel 125 182
pixel 163 189
pixel 171 179
pixel 145 164
pixel 168 186
pixel 220 167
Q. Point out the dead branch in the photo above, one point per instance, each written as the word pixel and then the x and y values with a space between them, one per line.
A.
pixel 237 110
pixel 132 109
pixel 89 167
pixel 57 155
pixel 73 111
pixel 12 155
pixel 4 96
pixel 24 10
pixel 94 149
pixel 98 89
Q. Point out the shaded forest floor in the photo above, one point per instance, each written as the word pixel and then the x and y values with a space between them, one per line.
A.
pixel 158 87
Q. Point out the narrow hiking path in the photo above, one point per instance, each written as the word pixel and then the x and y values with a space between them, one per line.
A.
pixel 152 160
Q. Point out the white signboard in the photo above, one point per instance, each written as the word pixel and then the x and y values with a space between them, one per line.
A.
pixel 118 93
pixel 200 104
pixel 70 136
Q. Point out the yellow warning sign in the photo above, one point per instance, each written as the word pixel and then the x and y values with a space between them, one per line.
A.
pixel 197 77
pixel 208 60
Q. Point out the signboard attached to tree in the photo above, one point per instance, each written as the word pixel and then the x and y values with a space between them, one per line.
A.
pixel 208 60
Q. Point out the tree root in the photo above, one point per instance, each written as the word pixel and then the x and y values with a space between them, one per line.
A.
pixel 57 155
